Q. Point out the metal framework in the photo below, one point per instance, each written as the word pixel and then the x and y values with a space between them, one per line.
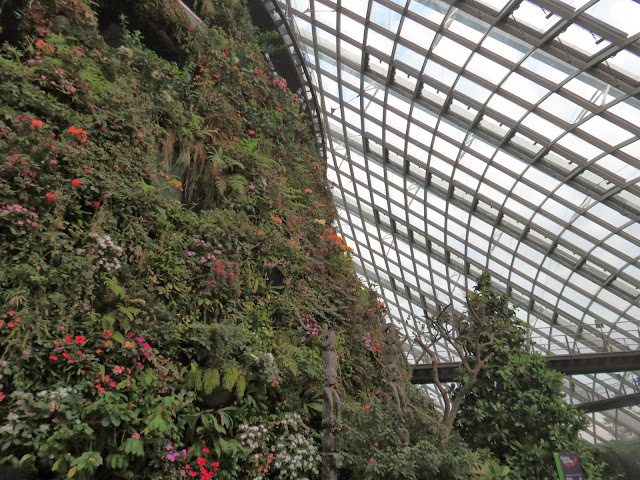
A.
pixel 499 135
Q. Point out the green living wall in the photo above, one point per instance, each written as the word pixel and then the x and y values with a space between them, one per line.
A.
pixel 167 257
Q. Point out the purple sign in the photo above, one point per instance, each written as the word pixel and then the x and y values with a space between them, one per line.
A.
pixel 568 466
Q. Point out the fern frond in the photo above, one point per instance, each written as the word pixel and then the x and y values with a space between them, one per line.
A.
pixel 230 377
pixel 210 380
pixel 241 386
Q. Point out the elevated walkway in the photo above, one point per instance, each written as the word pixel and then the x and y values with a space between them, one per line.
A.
pixel 568 364
pixel 573 364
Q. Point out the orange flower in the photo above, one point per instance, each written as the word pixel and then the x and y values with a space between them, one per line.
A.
pixel 44 46
pixel 276 219
pixel 36 123
pixel 80 134
pixel 308 190
pixel 260 233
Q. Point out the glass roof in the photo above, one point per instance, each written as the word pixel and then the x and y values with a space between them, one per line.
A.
pixel 499 135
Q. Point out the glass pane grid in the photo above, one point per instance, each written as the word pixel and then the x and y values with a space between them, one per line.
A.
pixel 507 142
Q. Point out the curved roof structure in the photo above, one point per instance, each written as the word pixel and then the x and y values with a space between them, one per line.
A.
pixel 499 135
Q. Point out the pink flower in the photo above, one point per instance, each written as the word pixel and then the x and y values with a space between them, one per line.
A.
pixel 136 436
pixel 373 461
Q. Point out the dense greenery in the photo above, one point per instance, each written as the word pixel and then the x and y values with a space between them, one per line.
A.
pixel 517 408
pixel 166 255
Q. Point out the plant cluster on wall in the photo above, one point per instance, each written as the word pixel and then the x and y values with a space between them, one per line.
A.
pixel 167 256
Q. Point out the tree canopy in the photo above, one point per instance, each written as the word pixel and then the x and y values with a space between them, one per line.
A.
pixel 517 407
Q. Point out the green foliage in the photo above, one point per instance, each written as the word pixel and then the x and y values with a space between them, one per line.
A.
pixel 370 436
pixel 622 459
pixel 517 408
pixel 163 229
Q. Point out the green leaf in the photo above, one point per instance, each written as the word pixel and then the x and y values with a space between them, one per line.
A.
pixel 116 420
pixel 157 424
pixel 315 406
pixel 72 472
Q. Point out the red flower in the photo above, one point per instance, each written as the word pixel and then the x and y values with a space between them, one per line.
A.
pixel 35 123
pixel 260 233
pixel 51 198
pixel 367 406
pixel 80 134
pixel 251 132
pixel 192 26
pixel 65 355
pixel 205 450
pixel 76 182
pixel 273 384
pixel 202 461
pixel 39 43
pixel 193 474
pixel 1 396
pixel 53 357
pixel 10 324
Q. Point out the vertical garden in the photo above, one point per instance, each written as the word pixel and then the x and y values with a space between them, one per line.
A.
pixel 168 256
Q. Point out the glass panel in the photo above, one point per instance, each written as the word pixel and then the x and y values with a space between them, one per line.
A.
pixel 582 40
pixel 385 17
pixel 621 14
pixel 533 16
